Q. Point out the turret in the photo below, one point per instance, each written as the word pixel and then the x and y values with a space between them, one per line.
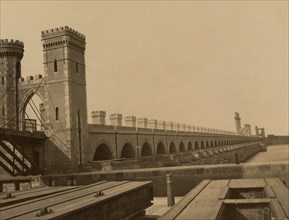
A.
pixel 11 53
pixel 65 81
pixel 98 117
pixel 237 122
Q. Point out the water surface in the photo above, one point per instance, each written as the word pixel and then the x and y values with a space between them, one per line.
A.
pixel 274 153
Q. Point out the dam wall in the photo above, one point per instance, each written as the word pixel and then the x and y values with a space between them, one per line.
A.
pixel 184 177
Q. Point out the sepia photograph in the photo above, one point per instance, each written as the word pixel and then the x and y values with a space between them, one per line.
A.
pixel 144 110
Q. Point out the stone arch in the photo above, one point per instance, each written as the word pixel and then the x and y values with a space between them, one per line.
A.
pixel 216 143
pixel 146 150
pixel 161 148
pixel 207 144
pixel 212 144
pixel 127 151
pixel 202 145
pixel 182 147
pixel 219 143
pixel 24 102
pixel 102 152
pixel 190 146
pixel 197 147
pixel 172 148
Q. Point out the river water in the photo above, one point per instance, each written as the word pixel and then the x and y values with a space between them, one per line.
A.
pixel 274 153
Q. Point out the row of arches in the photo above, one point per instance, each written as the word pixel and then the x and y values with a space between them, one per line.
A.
pixel 103 151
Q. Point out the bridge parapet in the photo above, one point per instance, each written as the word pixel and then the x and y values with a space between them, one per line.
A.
pixel 176 126
pixel 152 124
pixel 125 129
pixel 130 121
pixel 169 126
pixel 98 117
pixel 144 130
pixel 142 122
pixel 161 125
pixel 100 128
pixel 115 119
pixel 30 80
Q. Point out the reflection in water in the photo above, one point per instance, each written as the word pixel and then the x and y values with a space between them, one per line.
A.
pixel 274 153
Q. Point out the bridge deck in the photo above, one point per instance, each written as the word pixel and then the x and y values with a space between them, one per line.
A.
pixel 233 199
pixel 102 200
pixel 28 134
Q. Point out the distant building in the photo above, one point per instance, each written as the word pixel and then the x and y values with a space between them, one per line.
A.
pixel 238 123
pixel 260 132
pixel 246 131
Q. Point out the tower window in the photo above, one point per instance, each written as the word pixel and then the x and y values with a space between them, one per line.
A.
pixel 76 67
pixel 3 111
pixel 56 114
pixel 55 65
pixel 2 80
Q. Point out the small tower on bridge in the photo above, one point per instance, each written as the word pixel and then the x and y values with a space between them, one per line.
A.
pixel 238 123
pixel 248 129
pixel 11 53
pixel 260 132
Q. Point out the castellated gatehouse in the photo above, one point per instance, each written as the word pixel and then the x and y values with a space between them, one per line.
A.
pixel 67 142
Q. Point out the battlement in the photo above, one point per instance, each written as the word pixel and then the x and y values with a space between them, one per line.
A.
pixel 31 79
pixel 61 31
pixel 11 48
pixel 131 117
pixel 11 43
pixel 131 121
pixel 98 113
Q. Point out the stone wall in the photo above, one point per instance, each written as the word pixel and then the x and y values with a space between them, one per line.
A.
pixel 220 155
pixel 184 177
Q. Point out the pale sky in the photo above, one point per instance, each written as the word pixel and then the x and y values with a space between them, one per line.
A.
pixel 193 62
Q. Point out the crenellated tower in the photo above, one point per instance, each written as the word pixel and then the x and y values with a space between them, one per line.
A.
pixel 65 86
pixel 238 123
pixel 11 53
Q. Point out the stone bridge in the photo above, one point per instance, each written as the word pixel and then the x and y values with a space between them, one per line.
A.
pixel 115 142
pixel 70 141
